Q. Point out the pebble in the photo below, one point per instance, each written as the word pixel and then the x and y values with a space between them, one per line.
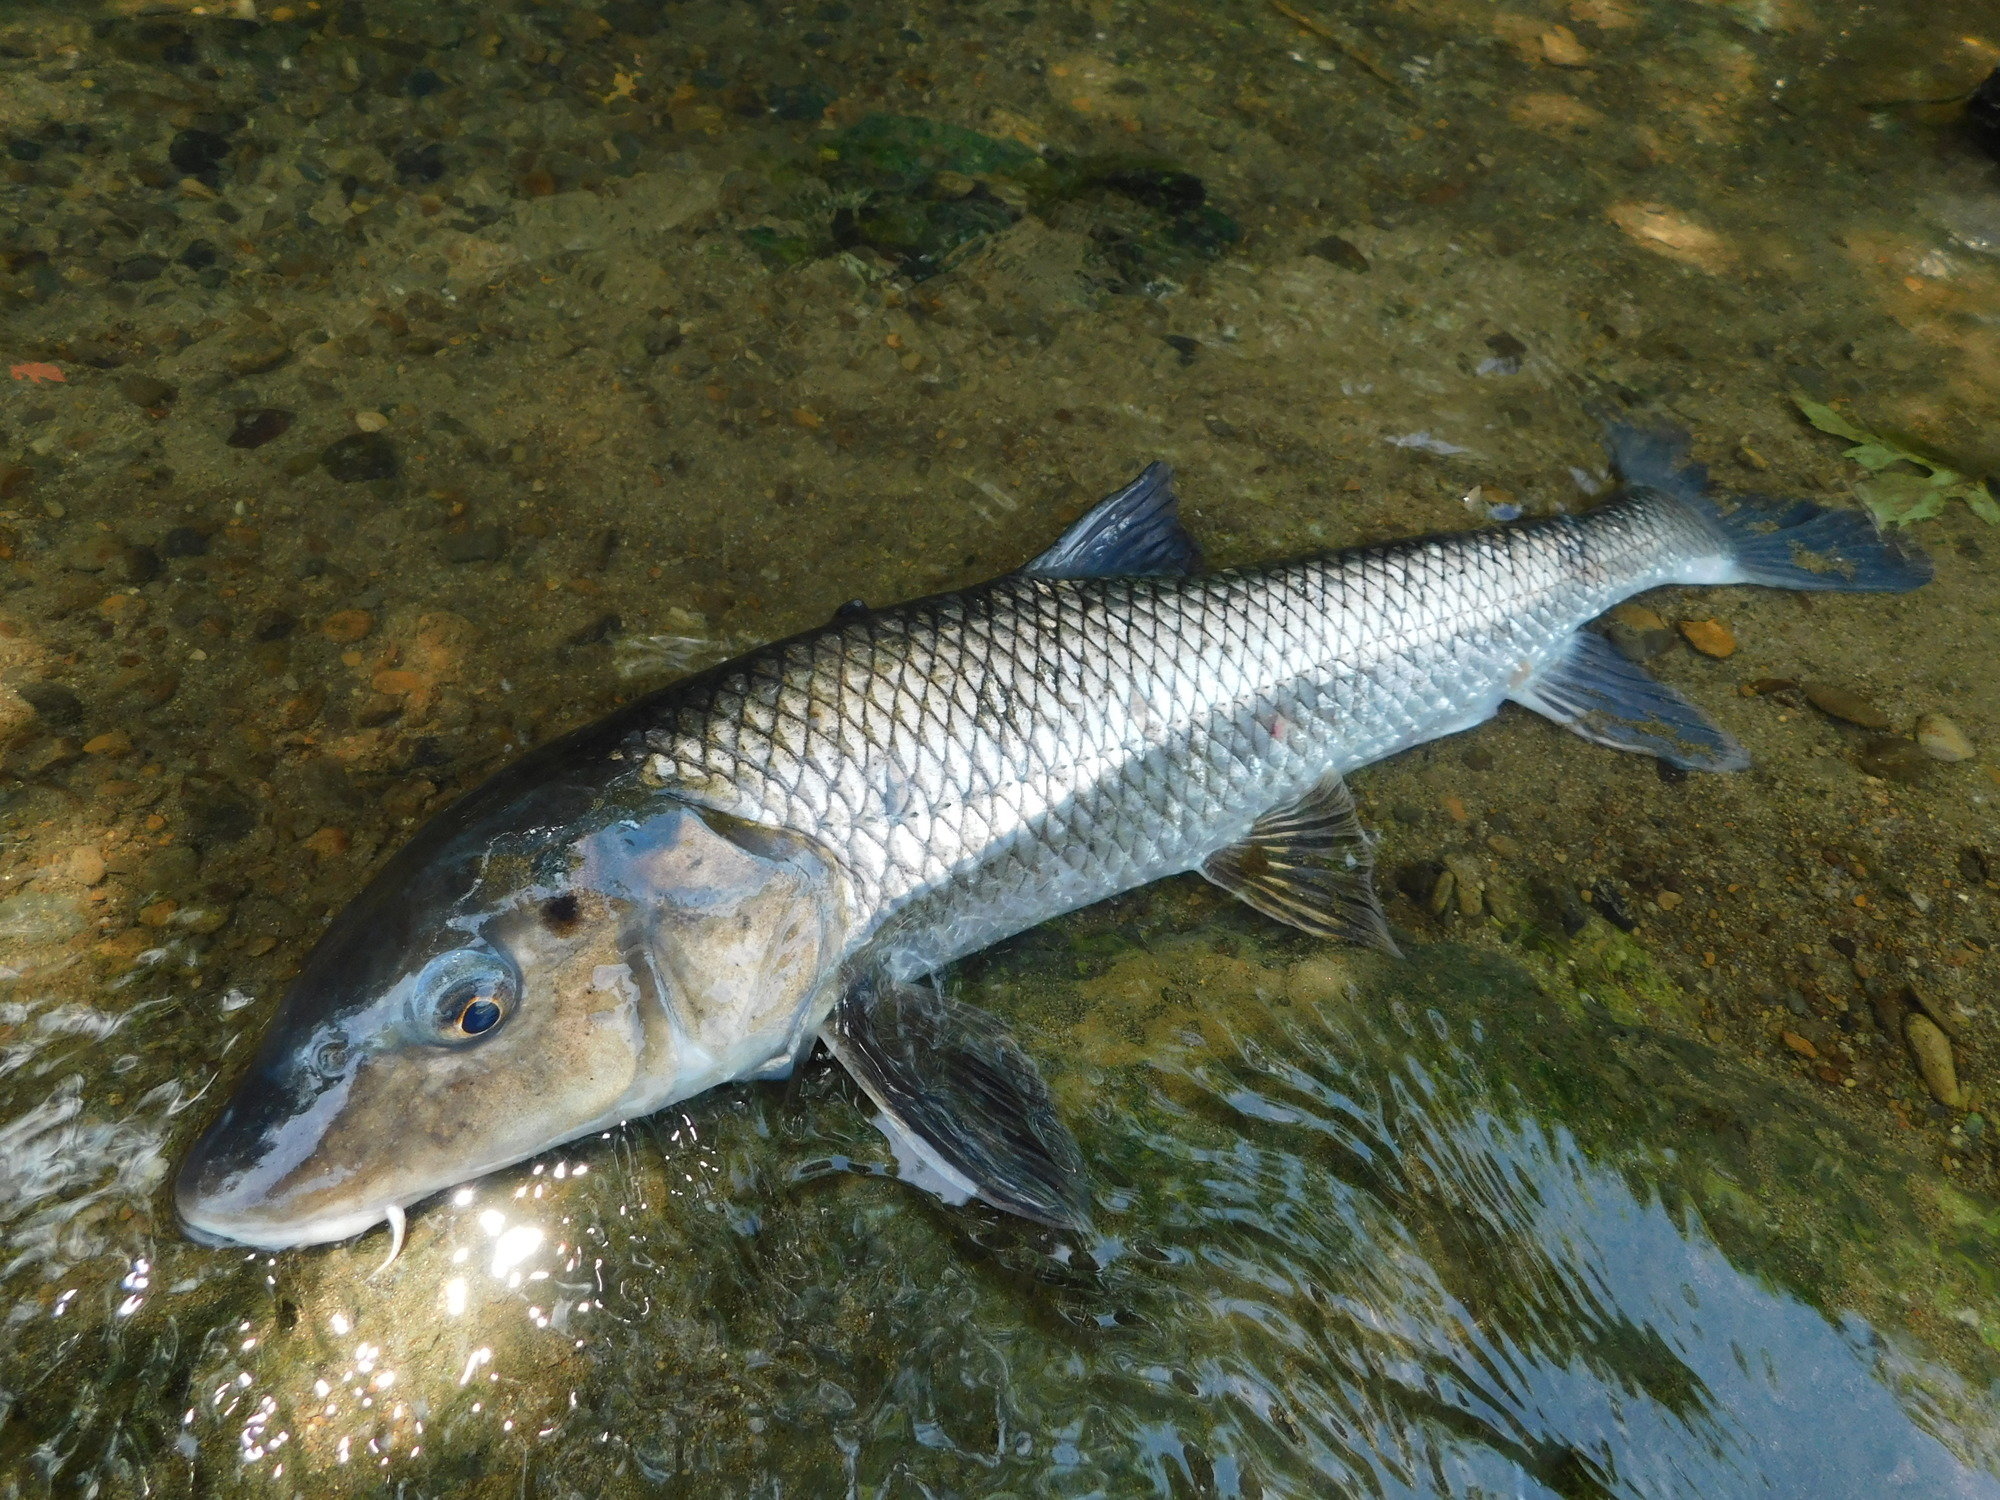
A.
pixel 370 421
pixel 1709 637
pixel 256 426
pixel 1343 253
pixel 86 864
pixel 1849 707
pixel 329 842
pixel 1943 740
pixel 360 456
pixel 1667 900
pixel 147 390
pixel 53 703
pixel 1799 1044
pixel 111 742
pixel 347 625
pixel 41 917
pixel 184 541
pixel 1894 759
pixel 1638 632
pixel 480 544
pixel 255 353
pixel 1469 883
pixel 1932 1051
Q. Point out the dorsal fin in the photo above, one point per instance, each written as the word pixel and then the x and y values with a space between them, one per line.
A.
pixel 1133 532
pixel 1309 863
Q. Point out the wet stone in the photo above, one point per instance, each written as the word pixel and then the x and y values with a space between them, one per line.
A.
pixel 53 703
pixel 200 255
pixel 1848 707
pixel 359 457
pixel 1943 740
pixel 183 541
pixel 420 164
pixel 136 564
pixel 221 819
pixel 272 625
pixel 139 268
pixel 254 427
pixel 199 154
pixel 147 390
pixel 255 353
pixel 1343 253
pixel 1710 637
pixel 1895 759
pixel 347 625
pixel 480 544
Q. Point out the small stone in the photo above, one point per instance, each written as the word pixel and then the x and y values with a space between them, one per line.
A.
pixel 53 703
pixel 480 544
pixel 272 625
pixel 373 709
pixel 1502 845
pixel 1709 637
pixel 147 390
pixel 135 564
pixel 1943 740
pixel 199 154
pixel 1638 617
pixel 1343 253
pixel 1470 881
pixel 86 864
pixel 370 421
pixel 1561 49
pixel 346 625
pixel 35 917
pixel 111 742
pixel 1799 1044
pixel 329 842
pixel 1667 900
pixel 398 681
pixel 256 426
pixel 1441 893
pixel 1477 758
pixel 1932 1051
pixel 1894 759
pixel 1849 707
pixel 159 913
pixel 184 541
pixel 359 457
pixel 255 353
pixel 139 268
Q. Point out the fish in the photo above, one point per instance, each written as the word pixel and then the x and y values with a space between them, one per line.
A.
pixel 785 851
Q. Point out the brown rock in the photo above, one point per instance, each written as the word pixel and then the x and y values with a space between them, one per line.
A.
pixel 1894 759
pixel 1840 704
pixel 159 913
pixel 1709 637
pixel 347 625
pixel 86 864
pixel 329 841
pixel 111 742
pixel 1932 1052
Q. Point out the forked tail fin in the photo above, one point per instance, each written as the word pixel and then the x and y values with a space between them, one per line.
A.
pixel 1786 544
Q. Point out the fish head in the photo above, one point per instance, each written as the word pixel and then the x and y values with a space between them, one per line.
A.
pixel 539 974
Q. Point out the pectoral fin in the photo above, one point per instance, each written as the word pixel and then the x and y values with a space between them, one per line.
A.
pixel 1311 864
pixel 958 1089
pixel 1611 701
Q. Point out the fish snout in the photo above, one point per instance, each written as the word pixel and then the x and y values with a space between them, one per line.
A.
pixel 236 1188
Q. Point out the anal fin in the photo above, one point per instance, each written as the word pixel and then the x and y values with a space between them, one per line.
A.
pixel 1594 691
pixel 959 1089
pixel 1311 864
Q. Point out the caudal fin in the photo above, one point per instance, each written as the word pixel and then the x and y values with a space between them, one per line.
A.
pixel 1786 544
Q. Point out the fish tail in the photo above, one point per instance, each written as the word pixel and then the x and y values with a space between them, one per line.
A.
pixel 1787 544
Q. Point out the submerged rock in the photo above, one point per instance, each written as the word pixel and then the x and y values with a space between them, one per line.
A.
pixel 1982 113
pixel 359 457
pixel 1932 1051
pixel 1851 708
pixel 1943 740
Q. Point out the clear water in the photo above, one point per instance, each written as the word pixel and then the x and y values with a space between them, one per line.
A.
pixel 611 338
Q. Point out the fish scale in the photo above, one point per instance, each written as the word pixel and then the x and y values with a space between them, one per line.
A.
pixel 988 759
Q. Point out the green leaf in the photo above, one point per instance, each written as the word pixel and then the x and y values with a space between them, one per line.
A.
pixel 1898 498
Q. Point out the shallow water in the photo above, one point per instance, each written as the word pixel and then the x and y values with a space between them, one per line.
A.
pixel 395 385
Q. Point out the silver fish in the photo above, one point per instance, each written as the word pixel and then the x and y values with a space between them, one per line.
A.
pixel 781 849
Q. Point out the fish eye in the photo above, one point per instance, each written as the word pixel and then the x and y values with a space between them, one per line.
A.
pixel 472 992
pixel 479 1015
